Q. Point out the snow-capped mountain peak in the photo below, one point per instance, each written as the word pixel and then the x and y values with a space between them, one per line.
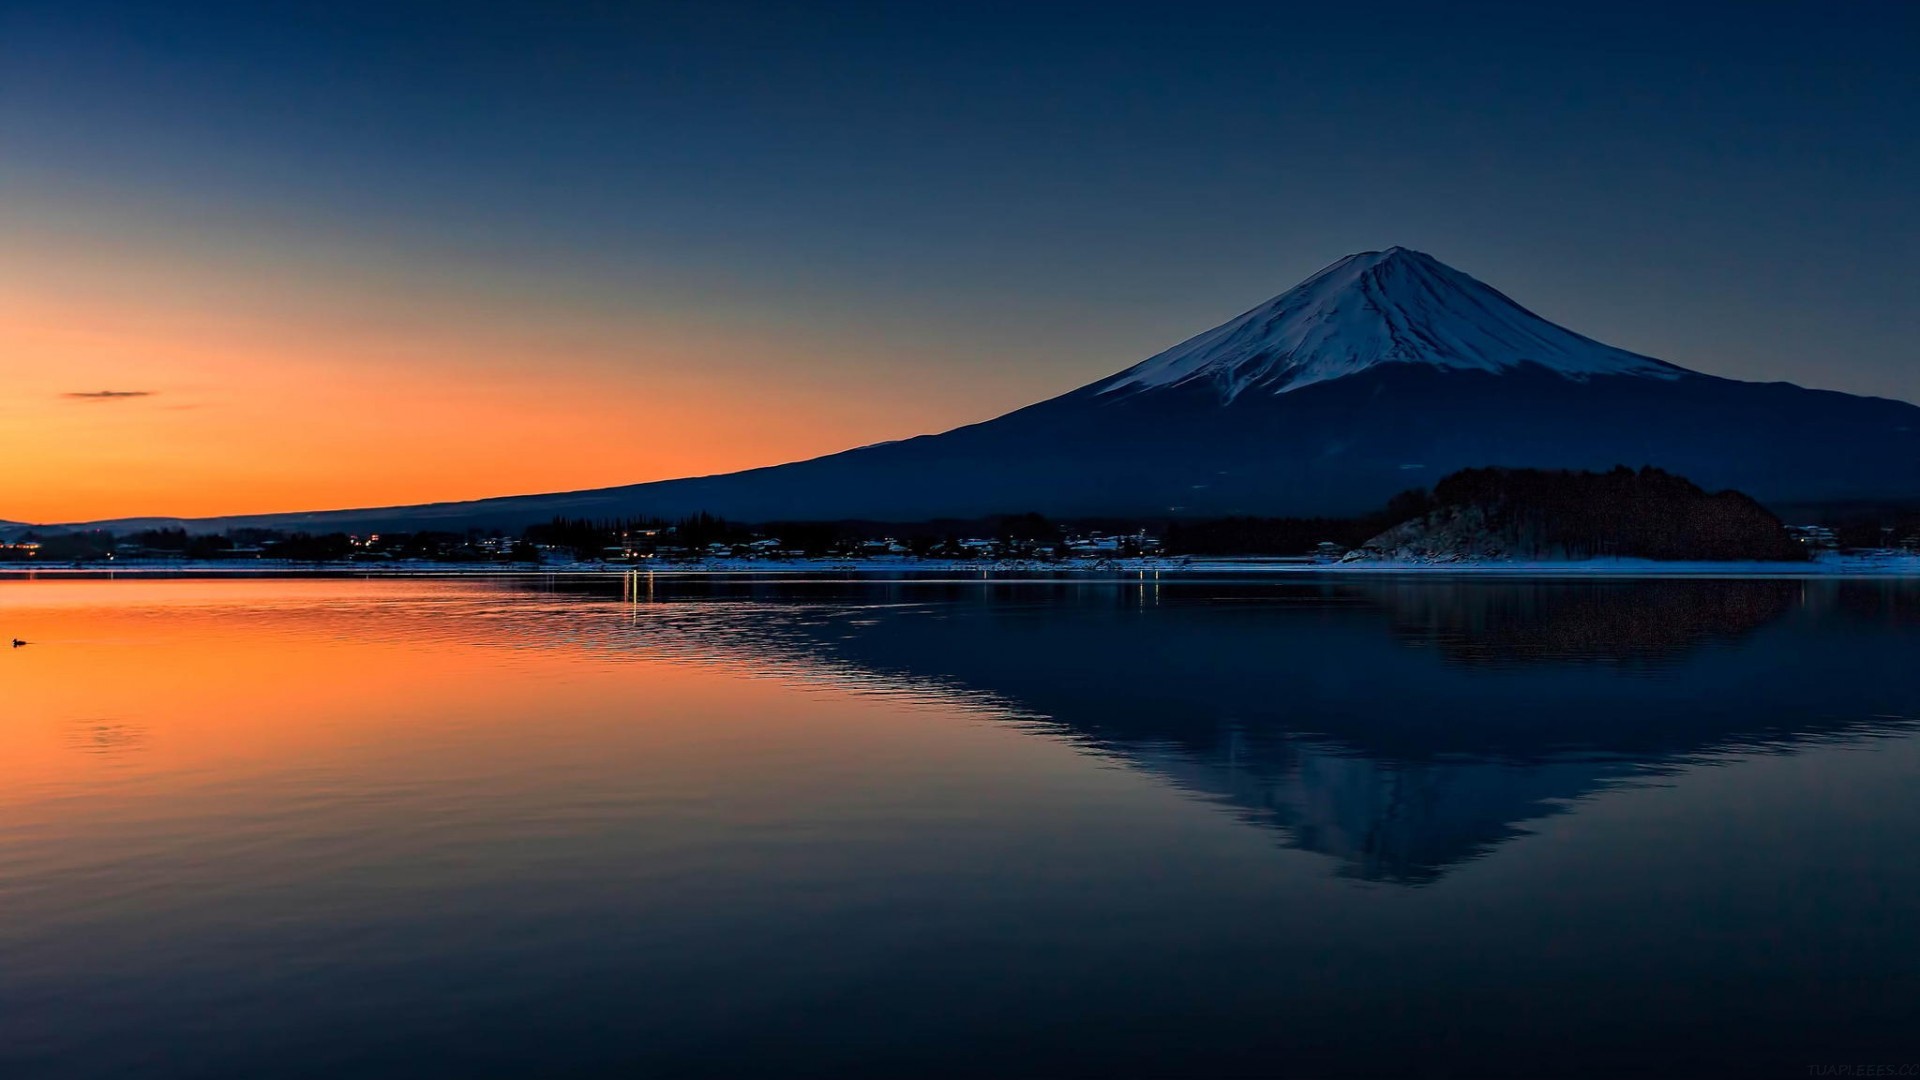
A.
pixel 1396 306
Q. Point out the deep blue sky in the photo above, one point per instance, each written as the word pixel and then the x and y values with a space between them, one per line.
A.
pixel 974 205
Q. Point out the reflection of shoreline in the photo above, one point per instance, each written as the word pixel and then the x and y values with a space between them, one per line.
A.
pixel 1403 730
pixel 1507 622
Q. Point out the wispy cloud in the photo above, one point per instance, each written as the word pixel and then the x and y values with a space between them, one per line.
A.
pixel 106 395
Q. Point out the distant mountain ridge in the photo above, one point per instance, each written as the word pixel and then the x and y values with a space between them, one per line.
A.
pixel 1382 372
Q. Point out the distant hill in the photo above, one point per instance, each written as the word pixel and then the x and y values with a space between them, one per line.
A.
pixel 1559 514
pixel 1378 373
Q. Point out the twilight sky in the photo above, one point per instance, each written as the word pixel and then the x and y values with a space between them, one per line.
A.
pixel 307 255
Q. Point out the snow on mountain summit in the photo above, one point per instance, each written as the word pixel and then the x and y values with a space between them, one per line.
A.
pixel 1377 307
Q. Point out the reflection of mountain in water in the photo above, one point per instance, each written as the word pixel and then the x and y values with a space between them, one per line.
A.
pixel 1403 728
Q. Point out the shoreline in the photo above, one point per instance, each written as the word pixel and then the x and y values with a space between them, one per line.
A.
pixel 1880 565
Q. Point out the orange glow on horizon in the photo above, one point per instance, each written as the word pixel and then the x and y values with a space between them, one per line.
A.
pixel 265 394
pixel 222 432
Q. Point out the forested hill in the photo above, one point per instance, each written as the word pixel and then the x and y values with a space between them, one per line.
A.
pixel 1561 514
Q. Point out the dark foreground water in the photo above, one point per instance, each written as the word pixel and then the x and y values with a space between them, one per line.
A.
pixel 540 827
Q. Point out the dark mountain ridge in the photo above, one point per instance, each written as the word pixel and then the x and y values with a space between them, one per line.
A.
pixel 1383 372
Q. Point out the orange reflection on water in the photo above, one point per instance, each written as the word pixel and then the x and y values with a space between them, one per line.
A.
pixel 172 698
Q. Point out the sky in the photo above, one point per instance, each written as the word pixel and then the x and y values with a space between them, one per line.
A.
pixel 260 258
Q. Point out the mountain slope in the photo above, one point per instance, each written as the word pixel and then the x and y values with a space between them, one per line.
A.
pixel 1385 371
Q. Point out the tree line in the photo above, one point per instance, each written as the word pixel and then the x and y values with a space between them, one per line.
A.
pixel 1646 512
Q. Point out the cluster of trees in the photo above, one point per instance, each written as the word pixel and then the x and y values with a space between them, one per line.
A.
pixel 101 545
pixel 1646 513
pixel 182 543
pixel 587 538
pixel 1288 535
pixel 64 547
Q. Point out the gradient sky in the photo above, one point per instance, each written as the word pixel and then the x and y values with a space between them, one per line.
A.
pixel 337 254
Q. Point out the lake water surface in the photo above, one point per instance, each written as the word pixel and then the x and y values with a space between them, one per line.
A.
pixel 702 826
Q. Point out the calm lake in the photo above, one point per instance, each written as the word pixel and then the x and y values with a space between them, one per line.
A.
pixel 701 826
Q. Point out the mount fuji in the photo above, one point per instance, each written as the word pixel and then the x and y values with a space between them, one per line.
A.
pixel 1375 308
pixel 1384 371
